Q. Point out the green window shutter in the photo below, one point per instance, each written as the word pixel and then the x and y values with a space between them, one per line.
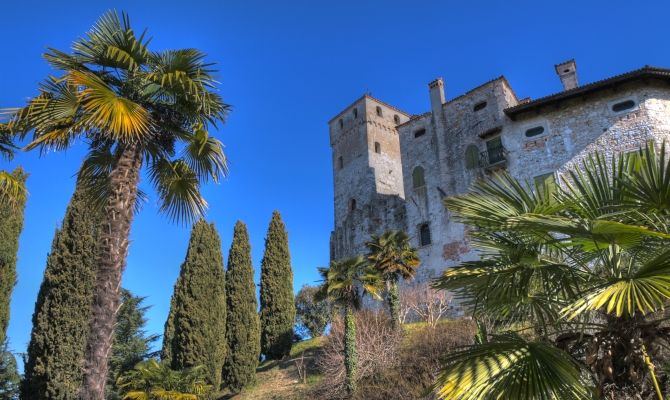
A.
pixel 545 182
pixel 471 157
pixel 418 179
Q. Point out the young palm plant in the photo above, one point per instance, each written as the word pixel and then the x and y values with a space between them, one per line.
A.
pixel 575 279
pixel 151 380
pixel 134 108
pixel 395 259
pixel 345 283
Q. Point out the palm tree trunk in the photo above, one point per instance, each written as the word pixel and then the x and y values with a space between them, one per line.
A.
pixel 393 298
pixel 111 260
pixel 350 354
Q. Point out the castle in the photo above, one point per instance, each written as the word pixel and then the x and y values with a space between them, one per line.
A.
pixel 392 170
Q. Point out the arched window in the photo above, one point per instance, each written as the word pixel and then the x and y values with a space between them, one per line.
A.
pixel 424 234
pixel 341 123
pixel 379 111
pixel 340 162
pixel 378 148
pixel 355 111
pixel 418 179
pixel 352 204
pixel 396 119
pixel 471 157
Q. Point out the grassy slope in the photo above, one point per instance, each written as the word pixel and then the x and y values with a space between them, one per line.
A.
pixel 279 380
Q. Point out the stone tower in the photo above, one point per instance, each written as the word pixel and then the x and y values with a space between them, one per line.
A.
pixel 367 170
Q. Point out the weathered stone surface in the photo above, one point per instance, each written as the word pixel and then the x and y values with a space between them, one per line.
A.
pixel 382 183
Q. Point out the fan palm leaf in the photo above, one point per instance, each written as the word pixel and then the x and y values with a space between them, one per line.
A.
pixel 510 367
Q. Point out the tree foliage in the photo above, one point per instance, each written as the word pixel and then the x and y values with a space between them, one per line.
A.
pixel 135 108
pixel 153 380
pixel 9 375
pixel 195 332
pixel 242 322
pixel 585 268
pixel 313 314
pixel 63 307
pixel 277 306
pixel 11 224
pixel 345 283
pixel 131 344
pixel 394 257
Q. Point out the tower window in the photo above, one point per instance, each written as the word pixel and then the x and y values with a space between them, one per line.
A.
pixel 495 150
pixel 623 106
pixel 352 204
pixel 418 179
pixel 378 148
pixel 471 157
pixel 419 133
pixel 424 234
pixel 479 106
pixel 379 112
pixel 341 123
pixel 355 112
pixel 536 131
pixel 396 119
pixel 340 162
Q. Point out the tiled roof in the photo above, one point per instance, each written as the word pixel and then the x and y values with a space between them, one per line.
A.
pixel 643 73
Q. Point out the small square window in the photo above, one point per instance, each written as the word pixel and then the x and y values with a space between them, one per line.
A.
pixel 419 133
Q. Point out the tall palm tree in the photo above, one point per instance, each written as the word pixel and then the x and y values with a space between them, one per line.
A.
pixel 394 257
pixel 12 189
pixel 583 272
pixel 345 283
pixel 151 380
pixel 134 108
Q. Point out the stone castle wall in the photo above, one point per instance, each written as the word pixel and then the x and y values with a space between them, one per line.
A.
pixel 572 129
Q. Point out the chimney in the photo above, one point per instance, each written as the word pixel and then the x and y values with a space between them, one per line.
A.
pixel 567 71
pixel 437 98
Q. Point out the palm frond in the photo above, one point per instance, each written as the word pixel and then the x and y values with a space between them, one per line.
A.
pixel 178 190
pixel 645 290
pixel 204 155
pixel 509 367
pixel 110 43
pixel 121 118
pixel 12 188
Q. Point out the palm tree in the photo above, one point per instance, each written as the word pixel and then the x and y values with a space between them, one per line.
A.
pixel 12 188
pixel 394 257
pixel 151 380
pixel 345 283
pixel 575 278
pixel 134 108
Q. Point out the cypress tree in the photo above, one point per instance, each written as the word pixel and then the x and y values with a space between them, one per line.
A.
pixel 277 304
pixel 11 224
pixel 243 325
pixel 61 318
pixel 195 332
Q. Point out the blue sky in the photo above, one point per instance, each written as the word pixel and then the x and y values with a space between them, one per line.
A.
pixel 287 67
